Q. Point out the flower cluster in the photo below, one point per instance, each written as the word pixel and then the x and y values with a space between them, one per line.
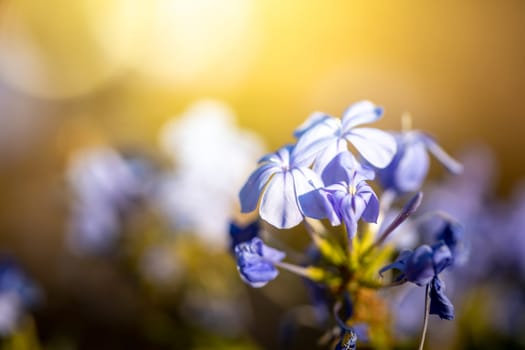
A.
pixel 325 181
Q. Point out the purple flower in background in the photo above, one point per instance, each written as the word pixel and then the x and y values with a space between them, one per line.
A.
pixel 255 262
pixel 17 294
pixel 322 137
pixel 278 181
pixel 105 186
pixel 422 267
pixel 346 198
pixel 409 168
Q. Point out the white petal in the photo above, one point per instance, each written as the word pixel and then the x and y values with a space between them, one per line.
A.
pixel 361 113
pixel 376 146
pixel 279 205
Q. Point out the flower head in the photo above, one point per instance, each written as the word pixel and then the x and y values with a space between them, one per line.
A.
pixel 322 137
pixel 278 182
pixel 255 262
pixel 409 167
pixel 422 267
pixel 346 198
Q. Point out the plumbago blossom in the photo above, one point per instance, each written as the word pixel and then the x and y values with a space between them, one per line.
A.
pixel 318 182
pixel 409 167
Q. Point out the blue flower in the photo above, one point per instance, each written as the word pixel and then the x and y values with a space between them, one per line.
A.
pixel 409 168
pixel 346 198
pixel 255 262
pixel 278 181
pixel 422 267
pixel 322 137
pixel 17 294
pixel 240 234
pixel 14 280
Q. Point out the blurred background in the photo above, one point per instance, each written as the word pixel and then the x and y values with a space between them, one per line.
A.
pixel 91 73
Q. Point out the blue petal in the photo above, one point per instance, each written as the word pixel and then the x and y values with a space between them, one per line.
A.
pixel 341 168
pixel 323 203
pixel 442 257
pixel 255 262
pixel 446 160
pixel 440 304
pixel 361 113
pixel 251 191
pixel 371 212
pixel 313 120
pixel 330 151
pixel 399 264
pixel 313 142
pixel 351 210
pixel 412 168
pixel 376 146
pixel 420 266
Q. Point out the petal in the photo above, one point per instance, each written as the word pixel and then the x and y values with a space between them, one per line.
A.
pixel 446 160
pixel 279 205
pixel 314 119
pixel 376 146
pixel 442 257
pixel 371 212
pixel 412 168
pixel 349 207
pixel 272 254
pixel 399 264
pixel 340 169
pixel 330 151
pixel 315 140
pixel 281 157
pixel 420 267
pixel 361 113
pixel 317 205
pixel 440 304
pixel 259 274
pixel 305 180
pixel 251 191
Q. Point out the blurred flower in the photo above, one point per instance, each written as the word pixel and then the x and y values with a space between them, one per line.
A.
pixel 255 262
pixel 347 197
pixel 211 157
pixel 322 137
pixel 160 265
pixel 17 294
pixel 105 187
pixel 409 167
pixel 279 181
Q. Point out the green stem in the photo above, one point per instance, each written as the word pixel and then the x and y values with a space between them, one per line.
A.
pixel 427 312
pixel 298 270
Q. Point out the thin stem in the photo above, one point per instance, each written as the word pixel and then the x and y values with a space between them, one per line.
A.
pixel 406 122
pixel 427 312
pixel 409 208
pixel 298 270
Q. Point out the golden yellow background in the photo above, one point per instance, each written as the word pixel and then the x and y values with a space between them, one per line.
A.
pixel 77 73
